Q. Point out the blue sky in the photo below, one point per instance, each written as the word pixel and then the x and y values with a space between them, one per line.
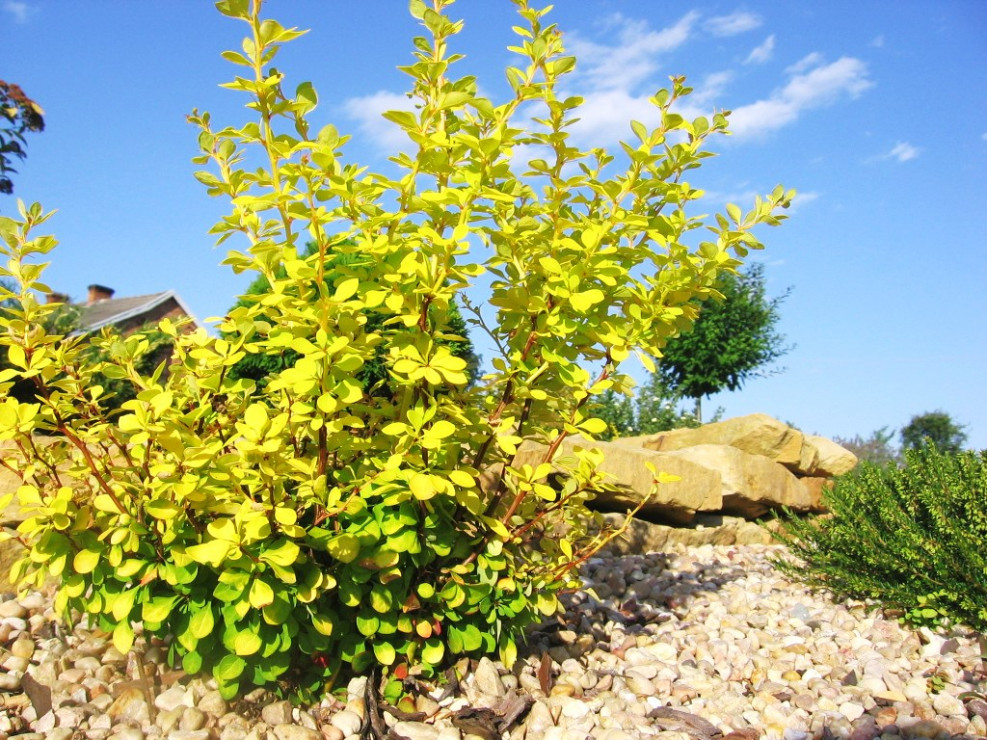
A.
pixel 876 114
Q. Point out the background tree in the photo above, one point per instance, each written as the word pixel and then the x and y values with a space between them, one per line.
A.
pixel 936 427
pixel 19 114
pixel 732 341
pixel 878 448
pixel 654 408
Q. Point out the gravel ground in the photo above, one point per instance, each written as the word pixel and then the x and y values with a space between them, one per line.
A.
pixel 699 642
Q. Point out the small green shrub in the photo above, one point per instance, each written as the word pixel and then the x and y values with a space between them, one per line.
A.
pixel 911 538
pixel 289 534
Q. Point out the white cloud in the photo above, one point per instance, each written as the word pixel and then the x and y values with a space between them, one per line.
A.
pixel 632 57
pixel 367 111
pixel 21 11
pixel 731 25
pixel 809 60
pixel 903 151
pixel 878 41
pixel 818 87
pixel 802 199
pixel 761 54
pixel 605 116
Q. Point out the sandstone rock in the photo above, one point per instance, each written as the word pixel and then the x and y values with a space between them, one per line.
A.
pixel 706 529
pixel 815 487
pixel 752 484
pixel 832 458
pixel 756 434
pixel 698 490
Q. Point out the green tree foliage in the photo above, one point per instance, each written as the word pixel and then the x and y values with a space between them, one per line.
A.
pixel 653 408
pixel 878 448
pixel 18 115
pixel 911 538
pixel 373 374
pixel 64 320
pixel 934 427
pixel 733 340
pixel 287 535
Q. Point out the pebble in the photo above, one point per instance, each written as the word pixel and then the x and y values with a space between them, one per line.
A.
pixel 714 634
pixel 212 702
pixel 278 713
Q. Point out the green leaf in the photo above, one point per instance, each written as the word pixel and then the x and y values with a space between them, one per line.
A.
pixel 433 651
pixel 85 561
pixel 367 625
pixel 322 623
pixel 278 611
pixel 201 622
pixel 246 643
pixel 344 548
pixel 385 652
pixel 284 554
pixel 229 668
pixel 192 662
pixel 158 608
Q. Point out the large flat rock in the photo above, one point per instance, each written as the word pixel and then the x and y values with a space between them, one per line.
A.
pixel 756 434
pixel 753 485
pixel 831 458
pixel 698 490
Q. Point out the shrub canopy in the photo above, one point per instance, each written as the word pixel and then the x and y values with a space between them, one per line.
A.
pixel 288 534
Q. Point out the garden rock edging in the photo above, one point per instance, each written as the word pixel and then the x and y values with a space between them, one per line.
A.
pixel 747 467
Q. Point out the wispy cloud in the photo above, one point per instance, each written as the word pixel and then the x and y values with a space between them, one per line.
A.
pixel 809 60
pixel 812 84
pixel 878 41
pixel 761 54
pixel 902 151
pixel 367 110
pixel 20 10
pixel 632 57
pixel 733 24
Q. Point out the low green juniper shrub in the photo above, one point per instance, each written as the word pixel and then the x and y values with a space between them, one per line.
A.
pixel 910 538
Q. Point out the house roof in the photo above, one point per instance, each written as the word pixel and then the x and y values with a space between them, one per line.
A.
pixel 116 310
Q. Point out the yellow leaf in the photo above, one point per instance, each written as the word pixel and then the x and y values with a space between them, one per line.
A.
pixel 261 594
pixel 322 624
pixel 461 478
pixel 246 643
pixel 327 403
pixel 585 300
pixel 421 486
pixel 593 426
pixel 346 290
pixel 442 429
pixel 85 561
pixel 123 637
pixel 211 553
pixel 255 417
pixel 284 515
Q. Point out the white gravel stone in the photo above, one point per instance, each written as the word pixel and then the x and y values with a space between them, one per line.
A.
pixel 295 732
pixel 714 632
pixel 347 721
